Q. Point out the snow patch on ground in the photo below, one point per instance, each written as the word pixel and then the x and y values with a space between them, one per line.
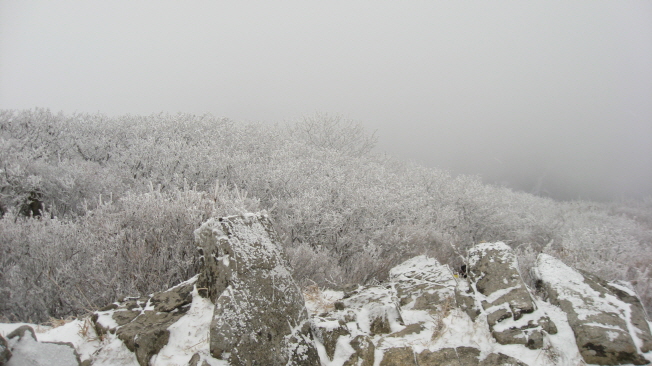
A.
pixel 114 353
pixel 189 335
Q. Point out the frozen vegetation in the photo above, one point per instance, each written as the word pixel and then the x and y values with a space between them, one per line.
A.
pixel 119 199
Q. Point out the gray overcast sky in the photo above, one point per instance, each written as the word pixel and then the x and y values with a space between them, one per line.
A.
pixel 544 96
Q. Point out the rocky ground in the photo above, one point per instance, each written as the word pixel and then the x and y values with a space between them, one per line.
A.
pixel 245 309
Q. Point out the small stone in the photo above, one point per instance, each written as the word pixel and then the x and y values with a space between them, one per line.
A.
pixel 20 332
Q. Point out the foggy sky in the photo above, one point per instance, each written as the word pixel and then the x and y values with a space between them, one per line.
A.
pixel 548 97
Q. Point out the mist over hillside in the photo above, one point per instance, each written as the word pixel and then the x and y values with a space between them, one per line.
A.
pixel 550 98
pixel 97 207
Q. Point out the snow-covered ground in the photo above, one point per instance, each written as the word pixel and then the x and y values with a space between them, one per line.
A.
pixel 446 329
pixel 188 336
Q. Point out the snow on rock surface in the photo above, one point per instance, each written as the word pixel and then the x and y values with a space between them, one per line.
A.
pixel 142 323
pixel 440 318
pixel 608 320
pixel 427 328
pixel 26 350
pixel 260 316
pixel 511 312
pixel 422 283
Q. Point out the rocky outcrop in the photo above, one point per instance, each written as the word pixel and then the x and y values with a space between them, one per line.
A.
pixel 142 323
pixel 26 350
pixel 257 316
pixel 260 316
pixel 510 310
pixel 607 319
pixel 427 315
pixel 395 321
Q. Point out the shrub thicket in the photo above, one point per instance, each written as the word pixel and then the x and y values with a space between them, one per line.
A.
pixel 122 197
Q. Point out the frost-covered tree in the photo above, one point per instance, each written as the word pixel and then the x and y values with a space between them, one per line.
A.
pixel 124 195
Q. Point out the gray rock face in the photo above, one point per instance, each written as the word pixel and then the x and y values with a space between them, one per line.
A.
pixel 5 353
pixel 422 283
pixel 26 350
pixel 637 316
pixel 194 361
pixel 142 323
pixel 511 313
pixel 460 356
pixel 364 352
pixel 403 356
pixel 380 306
pixel 398 319
pixel 450 357
pixel 260 316
pixel 465 356
pixel 608 320
pixel 328 331
pixel 362 314
pixel 499 359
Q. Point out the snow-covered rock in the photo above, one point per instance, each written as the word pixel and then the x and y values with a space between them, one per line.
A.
pixel 26 350
pixel 436 317
pixel 260 316
pixel 607 319
pixel 142 323
pixel 446 357
pixel 243 308
pixel 511 312
pixel 421 283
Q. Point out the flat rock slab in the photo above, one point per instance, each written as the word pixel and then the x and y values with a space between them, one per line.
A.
pixel 609 325
pixel 260 316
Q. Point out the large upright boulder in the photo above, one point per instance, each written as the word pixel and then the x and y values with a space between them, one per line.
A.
pixel 511 312
pixel 607 319
pixel 260 316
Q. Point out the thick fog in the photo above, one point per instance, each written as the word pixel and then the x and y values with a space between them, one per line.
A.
pixel 553 98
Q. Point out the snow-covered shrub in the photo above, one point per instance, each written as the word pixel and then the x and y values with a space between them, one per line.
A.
pixel 46 269
pixel 139 244
pixel 334 132
pixel 135 187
